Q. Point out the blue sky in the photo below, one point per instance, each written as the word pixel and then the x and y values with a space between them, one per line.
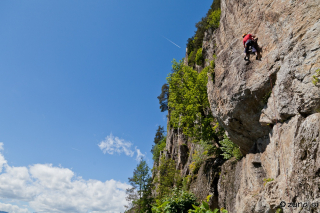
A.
pixel 78 74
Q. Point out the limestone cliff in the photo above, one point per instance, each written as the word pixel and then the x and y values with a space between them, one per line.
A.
pixel 269 107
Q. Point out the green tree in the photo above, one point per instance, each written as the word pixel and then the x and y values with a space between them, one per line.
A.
pixel 188 102
pixel 132 197
pixel 158 137
pixel 159 134
pixel 140 193
pixel 163 97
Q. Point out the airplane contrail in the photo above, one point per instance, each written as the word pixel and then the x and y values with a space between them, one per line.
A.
pixel 171 41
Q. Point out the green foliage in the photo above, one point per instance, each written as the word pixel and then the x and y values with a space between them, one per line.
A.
pixel 166 177
pixel 211 68
pixel 212 65
pixel 315 77
pixel 267 180
pixel 163 97
pixel 230 149
pixel 211 20
pixel 279 210
pixel 214 19
pixel 186 182
pixel 191 58
pixel 200 155
pixel 188 101
pixel 199 57
pixel 158 137
pixel 178 201
pixel 204 208
pixel 140 193
pixel 158 148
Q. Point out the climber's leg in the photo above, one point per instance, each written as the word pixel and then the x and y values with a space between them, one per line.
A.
pixel 246 51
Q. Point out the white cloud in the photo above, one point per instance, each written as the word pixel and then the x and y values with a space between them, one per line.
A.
pixel 113 145
pixel 116 145
pixel 2 160
pixel 55 189
pixel 12 208
pixel 139 154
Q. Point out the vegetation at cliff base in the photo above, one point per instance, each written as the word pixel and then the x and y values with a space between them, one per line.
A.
pixel 204 208
pixel 183 201
pixel 177 201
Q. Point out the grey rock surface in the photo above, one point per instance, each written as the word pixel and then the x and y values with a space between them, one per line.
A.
pixel 289 35
pixel 269 107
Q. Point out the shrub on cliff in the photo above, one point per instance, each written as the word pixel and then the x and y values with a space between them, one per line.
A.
pixel 230 149
pixel 199 57
pixel 191 58
pixel 158 148
pixel 204 150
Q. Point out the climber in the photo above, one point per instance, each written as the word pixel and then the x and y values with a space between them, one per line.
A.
pixel 250 41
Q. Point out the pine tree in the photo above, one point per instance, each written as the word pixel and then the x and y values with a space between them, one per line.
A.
pixel 158 137
pixel 163 97
pixel 140 193
pixel 159 134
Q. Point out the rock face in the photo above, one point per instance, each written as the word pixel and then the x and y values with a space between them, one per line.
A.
pixel 289 35
pixel 269 107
